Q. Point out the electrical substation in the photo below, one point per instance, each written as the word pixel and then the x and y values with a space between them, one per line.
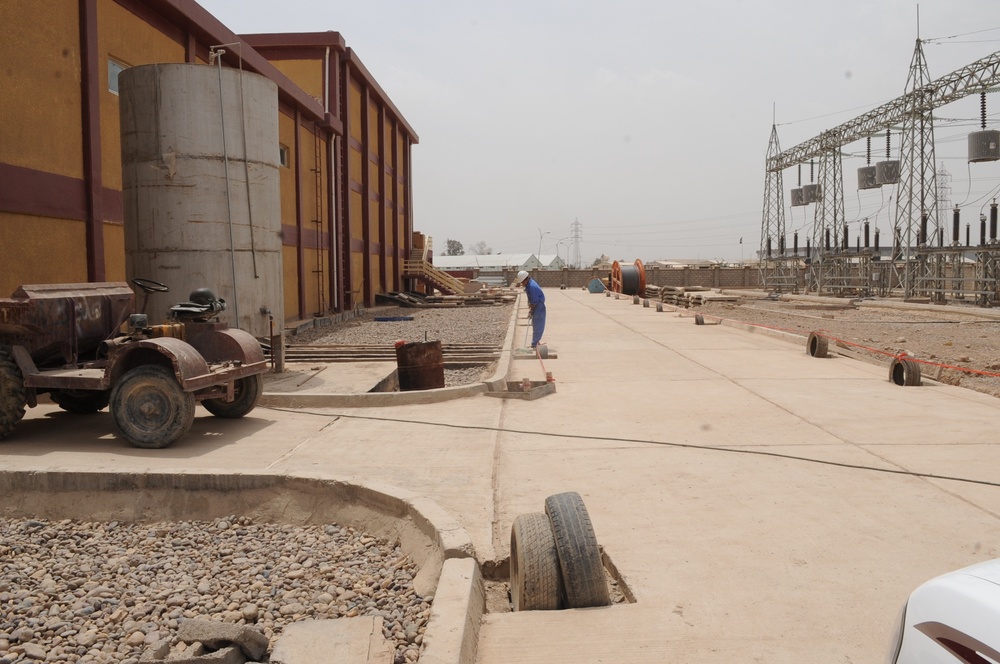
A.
pixel 921 254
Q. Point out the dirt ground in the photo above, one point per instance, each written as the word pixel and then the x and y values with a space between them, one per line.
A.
pixel 952 344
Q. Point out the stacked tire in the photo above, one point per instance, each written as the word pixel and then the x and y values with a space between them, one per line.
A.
pixel 555 561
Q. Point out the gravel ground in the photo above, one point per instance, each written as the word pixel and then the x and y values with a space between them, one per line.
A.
pixel 451 325
pixel 104 592
pixel 954 340
pixel 480 325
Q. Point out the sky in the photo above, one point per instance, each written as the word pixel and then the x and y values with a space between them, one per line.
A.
pixel 646 122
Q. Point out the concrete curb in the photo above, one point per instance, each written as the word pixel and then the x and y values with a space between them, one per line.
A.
pixel 456 615
pixel 495 383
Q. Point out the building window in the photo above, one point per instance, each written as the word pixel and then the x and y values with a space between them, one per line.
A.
pixel 114 68
pixel 283 155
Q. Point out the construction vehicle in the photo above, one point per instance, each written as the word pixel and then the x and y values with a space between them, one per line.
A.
pixel 84 345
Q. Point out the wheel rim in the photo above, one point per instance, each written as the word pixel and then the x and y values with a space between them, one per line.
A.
pixel 149 407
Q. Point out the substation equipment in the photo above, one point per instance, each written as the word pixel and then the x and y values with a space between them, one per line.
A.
pixel 918 260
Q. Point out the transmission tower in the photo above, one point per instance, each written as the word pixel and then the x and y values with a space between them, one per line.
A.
pixel 917 191
pixel 576 235
pixel 778 269
pixel 772 225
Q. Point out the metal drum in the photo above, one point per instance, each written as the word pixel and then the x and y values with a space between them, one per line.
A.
pixel 420 366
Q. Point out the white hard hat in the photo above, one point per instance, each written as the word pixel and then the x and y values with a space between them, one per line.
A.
pixel 521 276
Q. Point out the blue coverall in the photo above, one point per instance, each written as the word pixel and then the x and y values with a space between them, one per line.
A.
pixel 536 306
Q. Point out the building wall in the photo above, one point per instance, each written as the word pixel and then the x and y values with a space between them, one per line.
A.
pixel 357 178
pixel 370 208
pixel 40 135
pixel 307 74
pixel 40 104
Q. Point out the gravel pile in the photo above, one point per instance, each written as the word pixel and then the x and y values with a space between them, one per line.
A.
pixel 480 325
pixel 104 592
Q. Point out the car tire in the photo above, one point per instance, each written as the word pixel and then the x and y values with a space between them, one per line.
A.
pixel 150 409
pixel 83 402
pixel 13 396
pixel 579 556
pixel 246 393
pixel 535 578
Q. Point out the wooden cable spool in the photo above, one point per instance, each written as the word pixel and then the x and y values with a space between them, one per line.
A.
pixel 628 279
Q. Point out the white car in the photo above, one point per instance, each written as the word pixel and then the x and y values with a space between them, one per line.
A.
pixel 950 619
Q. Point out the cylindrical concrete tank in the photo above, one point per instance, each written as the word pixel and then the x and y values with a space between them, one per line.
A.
pixel 201 188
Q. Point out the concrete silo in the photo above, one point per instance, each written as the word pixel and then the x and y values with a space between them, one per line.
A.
pixel 201 191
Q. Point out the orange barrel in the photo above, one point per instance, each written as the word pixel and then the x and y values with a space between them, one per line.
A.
pixel 420 365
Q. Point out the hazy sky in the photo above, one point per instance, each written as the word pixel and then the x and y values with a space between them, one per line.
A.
pixel 646 121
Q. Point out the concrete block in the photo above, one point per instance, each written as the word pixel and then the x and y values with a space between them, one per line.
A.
pixel 216 635
pixel 357 640
pixel 227 655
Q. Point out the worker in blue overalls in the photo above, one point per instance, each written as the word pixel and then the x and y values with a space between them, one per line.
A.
pixel 536 306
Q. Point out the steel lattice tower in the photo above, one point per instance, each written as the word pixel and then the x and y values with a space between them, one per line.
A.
pixel 830 208
pixel 577 236
pixel 772 224
pixel 917 191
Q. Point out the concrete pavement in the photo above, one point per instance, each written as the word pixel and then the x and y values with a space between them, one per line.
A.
pixel 732 479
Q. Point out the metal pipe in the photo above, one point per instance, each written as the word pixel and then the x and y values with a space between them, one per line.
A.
pixel 993 222
pixel 866 234
pixel 768 246
pixel 246 172
pixel 826 241
pixel 922 238
pixel 229 195
pixel 956 225
pixel 846 241
pixel 795 243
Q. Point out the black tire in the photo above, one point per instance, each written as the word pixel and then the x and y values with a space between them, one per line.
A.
pixel 535 579
pixel 579 556
pixel 150 409
pixel 13 395
pixel 246 392
pixel 699 319
pixel 904 371
pixel 84 402
pixel 817 345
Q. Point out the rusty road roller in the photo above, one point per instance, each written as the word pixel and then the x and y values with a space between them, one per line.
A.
pixel 87 348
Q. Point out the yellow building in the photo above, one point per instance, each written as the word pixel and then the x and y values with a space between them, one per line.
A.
pixel 346 186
